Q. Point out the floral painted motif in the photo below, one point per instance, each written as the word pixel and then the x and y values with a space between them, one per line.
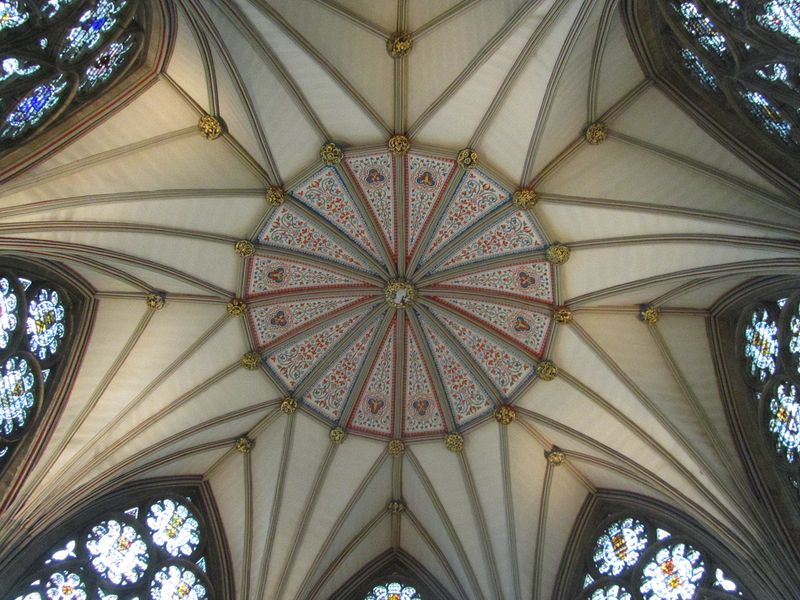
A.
pixel 374 174
pixel 293 362
pixel 467 397
pixel 526 326
pixel 119 553
pixel 423 415
pixel 173 527
pixel 329 395
pixel 530 280
pixel 276 321
pixel 507 368
pixel 511 234
pixel 290 230
pixel 267 275
pixel 426 178
pixel 374 410
pixel 325 193
pixel 476 195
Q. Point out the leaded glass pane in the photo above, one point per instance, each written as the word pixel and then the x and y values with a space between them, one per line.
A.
pixel 93 27
pixel 393 591
pixel 65 585
pixel 46 327
pixel 118 552
pixel 52 9
pixel 761 349
pixel 784 421
pixel 103 68
pixel 12 15
pixel 610 592
pixel 695 66
pixel 722 582
pixel 17 395
pixel 175 582
pixel 782 16
pixel 173 527
pixel 65 553
pixel 34 108
pixel 12 68
pixel 767 114
pixel 703 29
pixel 672 573
pixel 8 311
pixel 620 546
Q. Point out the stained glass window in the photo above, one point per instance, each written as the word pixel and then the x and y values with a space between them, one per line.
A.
pixel 152 551
pixel 632 557
pixel 81 47
pixel 34 326
pixel 761 347
pixel 722 47
pixel 393 591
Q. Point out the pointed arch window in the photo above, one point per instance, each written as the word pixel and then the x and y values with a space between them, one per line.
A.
pixel 632 557
pixel 769 338
pixel 56 55
pixel 734 65
pixel 153 546
pixel 393 590
pixel 36 326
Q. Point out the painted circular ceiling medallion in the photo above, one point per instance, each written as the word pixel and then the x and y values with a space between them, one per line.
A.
pixel 399 296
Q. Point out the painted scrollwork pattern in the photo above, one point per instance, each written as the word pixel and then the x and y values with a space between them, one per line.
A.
pixel 153 550
pixel 431 356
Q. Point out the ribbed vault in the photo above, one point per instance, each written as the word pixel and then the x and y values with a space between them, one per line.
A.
pixel 657 214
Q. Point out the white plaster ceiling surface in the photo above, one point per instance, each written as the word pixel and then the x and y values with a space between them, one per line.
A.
pixel 659 213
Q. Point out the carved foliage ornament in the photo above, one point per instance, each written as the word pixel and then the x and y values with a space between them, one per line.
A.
pixel 467 158
pixel 454 442
pixel 289 406
pixel 236 307
pixel 399 144
pixel 331 154
pixel 557 253
pixel 395 506
pixel 563 315
pixel 155 301
pixel 210 127
pixel 649 314
pixel 596 133
pixel 555 456
pixel 251 361
pixel 547 370
pixel 244 248
pixel 400 294
pixel 505 414
pixel 399 45
pixel 275 196
pixel 337 435
pixel 396 447
pixel 244 445
pixel 525 198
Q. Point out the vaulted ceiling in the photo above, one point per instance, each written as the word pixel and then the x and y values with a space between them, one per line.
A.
pixel 659 213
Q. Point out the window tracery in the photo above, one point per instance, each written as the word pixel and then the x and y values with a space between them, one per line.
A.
pixel 393 591
pixel 770 347
pixel 154 549
pixel 58 54
pixel 734 65
pixel 35 322
pixel 632 557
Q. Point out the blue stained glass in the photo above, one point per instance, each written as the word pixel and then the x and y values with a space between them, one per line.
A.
pixel 45 323
pixel 15 68
pixel 761 349
pixel 11 15
pixel 17 395
pixel 695 66
pixel 118 552
pixel 94 25
pixel 33 109
pixel 65 585
pixel 107 63
pixel 174 582
pixel 8 311
pixel 672 574
pixel 767 114
pixel 782 16
pixel 703 29
pixel 784 421
pixel 393 591
pixel 52 8
pixel 620 546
